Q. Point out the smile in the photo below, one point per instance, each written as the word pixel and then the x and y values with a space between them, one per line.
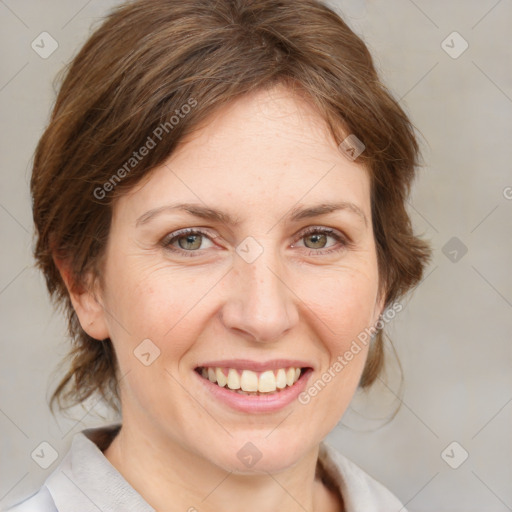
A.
pixel 250 382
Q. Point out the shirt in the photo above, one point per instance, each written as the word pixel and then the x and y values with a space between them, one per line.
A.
pixel 86 481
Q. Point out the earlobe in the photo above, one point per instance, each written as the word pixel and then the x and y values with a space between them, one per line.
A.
pixel 91 314
pixel 86 303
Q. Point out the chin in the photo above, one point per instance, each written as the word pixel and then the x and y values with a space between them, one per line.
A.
pixel 259 452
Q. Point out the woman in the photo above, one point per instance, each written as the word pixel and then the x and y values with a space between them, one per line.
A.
pixel 219 200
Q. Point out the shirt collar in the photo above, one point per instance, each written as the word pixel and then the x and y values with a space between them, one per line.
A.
pixel 86 481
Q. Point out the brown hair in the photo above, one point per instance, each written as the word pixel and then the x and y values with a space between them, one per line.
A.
pixel 146 61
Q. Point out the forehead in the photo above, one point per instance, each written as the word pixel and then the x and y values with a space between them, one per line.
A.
pixel 267 149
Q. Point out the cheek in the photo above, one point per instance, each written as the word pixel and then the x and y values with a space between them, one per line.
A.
pixel 157 315
pixel 344 303
pixel 343 310
pixel 163 306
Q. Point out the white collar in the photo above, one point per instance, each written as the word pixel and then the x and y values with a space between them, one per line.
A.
pixel 86 481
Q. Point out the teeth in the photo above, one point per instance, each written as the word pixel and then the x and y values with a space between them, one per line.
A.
pixel 267 382
pixel 233 379
pixel 221 378
pixel 249 382
pixel 281 378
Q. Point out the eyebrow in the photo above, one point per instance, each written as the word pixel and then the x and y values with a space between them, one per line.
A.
pixel 294 215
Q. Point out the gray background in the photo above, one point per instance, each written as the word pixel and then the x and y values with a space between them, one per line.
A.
pixel 453 336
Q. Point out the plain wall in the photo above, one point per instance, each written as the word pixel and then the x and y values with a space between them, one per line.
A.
pixel 453 335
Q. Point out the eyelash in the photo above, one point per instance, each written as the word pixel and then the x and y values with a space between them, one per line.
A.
pixel 169 239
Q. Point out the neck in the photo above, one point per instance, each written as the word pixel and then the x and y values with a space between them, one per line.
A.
pixel 168 475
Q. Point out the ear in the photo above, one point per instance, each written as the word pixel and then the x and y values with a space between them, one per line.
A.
pixel 86 302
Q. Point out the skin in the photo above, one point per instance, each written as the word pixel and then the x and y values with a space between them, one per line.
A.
pixel 258 157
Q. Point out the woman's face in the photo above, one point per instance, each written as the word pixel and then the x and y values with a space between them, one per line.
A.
pixel 268 278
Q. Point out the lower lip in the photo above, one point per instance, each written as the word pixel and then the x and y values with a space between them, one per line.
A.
pixel 257 403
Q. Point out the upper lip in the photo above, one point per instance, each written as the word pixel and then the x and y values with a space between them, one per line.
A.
pixel 255 366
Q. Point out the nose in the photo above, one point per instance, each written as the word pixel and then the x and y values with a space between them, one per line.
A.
pixel 261 304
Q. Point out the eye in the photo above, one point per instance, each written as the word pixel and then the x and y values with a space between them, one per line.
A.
pixel 317 239
pixel 190 242
pixel 187 241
